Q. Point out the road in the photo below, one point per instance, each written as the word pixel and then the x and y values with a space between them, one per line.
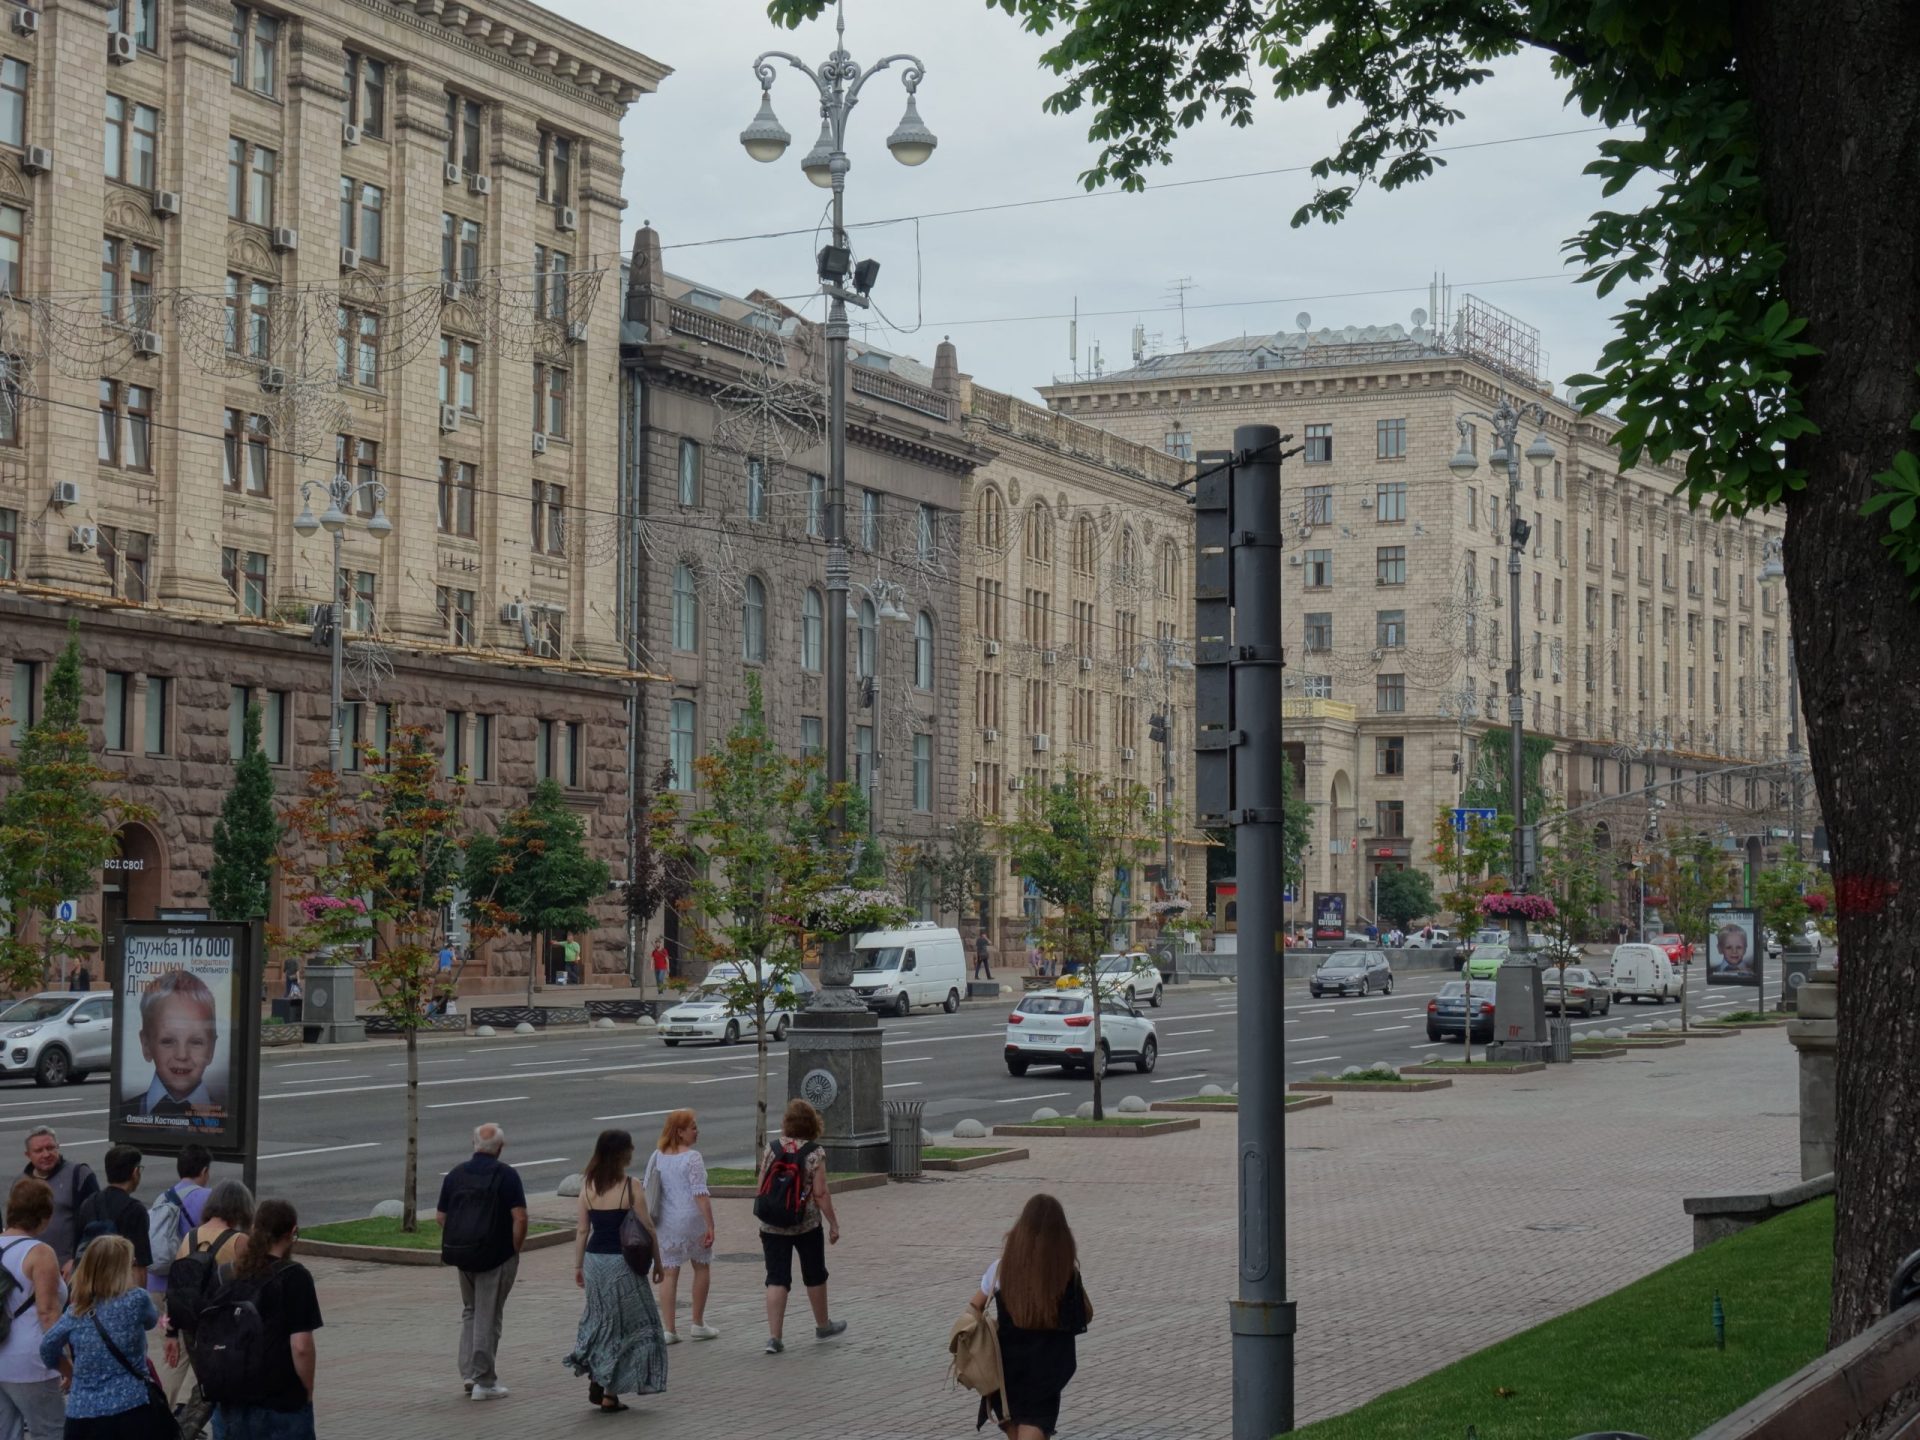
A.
pixel 332 1120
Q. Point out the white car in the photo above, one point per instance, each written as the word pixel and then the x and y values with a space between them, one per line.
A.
pixel 1132 977
pixel 1417 941
pixel 1055 1027
pixel 712 1013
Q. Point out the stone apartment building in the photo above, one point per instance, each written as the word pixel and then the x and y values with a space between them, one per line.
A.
pixel 348 236
pixel 1082 611
pixel 1650 651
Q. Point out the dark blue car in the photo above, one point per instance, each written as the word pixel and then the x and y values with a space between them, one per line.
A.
pixel 1447 1012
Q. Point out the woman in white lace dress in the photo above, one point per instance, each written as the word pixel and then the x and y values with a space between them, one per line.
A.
pixel 677 1180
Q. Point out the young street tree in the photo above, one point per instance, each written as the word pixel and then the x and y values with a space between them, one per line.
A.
pixel 1406 895
pixel 1771 347
pixel 659 880
pixel 1296 829
pixel 1080 843
pixel 56 830
pixel 246 837
pixel 1689 874
pixel 536 873
pixel 1577 873
pixel 379 897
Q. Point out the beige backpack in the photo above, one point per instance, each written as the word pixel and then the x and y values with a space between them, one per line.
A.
pixel 974 1344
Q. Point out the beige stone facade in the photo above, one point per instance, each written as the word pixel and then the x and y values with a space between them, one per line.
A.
pixel 366 236
pixel 1650 651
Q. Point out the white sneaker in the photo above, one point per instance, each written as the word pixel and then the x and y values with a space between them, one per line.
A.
pixel 490 1392
pixel 704 1332
pixel 673 1337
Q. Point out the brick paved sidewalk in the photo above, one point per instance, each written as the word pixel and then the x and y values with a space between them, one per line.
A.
pixel 1422 1228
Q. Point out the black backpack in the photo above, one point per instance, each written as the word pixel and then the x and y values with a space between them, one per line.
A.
pixel 9 1286
pixel 783 1187
pixel 233 1345
pixel 470 1240
pixel 194 1278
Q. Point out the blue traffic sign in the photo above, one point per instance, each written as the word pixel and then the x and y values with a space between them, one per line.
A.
pixel 1286 896
pixel 1464 813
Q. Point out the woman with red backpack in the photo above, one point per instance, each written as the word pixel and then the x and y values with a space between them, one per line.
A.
pixel 793 1197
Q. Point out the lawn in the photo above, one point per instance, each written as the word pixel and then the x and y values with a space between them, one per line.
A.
pixel 388 1232
pixel 1641 1359
pixel 1378 1075
pixel 960 1152
pixel 1485 1064
pixel 1208 1100
pixel 725 1175
pixel 1075 1122
pixel 1749 1017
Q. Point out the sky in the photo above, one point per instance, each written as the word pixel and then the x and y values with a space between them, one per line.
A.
pixel 1002 284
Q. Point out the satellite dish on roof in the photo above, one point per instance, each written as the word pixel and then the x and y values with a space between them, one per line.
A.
pixel 1419 317
pixel 1303 320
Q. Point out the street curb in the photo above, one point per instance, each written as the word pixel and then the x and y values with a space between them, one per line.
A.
pixel 1599 1052
pixel 839 1187
pixel 977 1162
pixel 1196 1107
pixel 1100 1132
pixel 399 1255
pixel 1634 1042
pixel 1525 1067
pixel 1379 1087
pixel 1734 1027
pixel 1702 1032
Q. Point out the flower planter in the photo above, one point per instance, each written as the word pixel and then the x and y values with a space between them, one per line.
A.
pixel 1598 1052
pixel 976 1162
pixel 273 1037
pixel 1377 1087
pixel 1479 1067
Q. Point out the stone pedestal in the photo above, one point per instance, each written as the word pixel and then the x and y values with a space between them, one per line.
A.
pixel 329 1005
pixel 833 1062
pixel 1814 1033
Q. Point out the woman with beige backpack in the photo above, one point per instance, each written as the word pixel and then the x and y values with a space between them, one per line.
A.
pixel 1041 1306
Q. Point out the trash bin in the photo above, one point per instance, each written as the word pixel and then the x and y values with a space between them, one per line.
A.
pixel 1796 969
pixel 903 1138
pixel 1559 1042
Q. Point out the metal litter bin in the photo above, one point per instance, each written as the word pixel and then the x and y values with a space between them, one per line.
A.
pixel 903 1138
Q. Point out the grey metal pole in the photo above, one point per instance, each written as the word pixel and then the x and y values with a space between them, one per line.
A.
pixel 630 578
pixel 339 665
pixel 1516 698
pixel 1262 1316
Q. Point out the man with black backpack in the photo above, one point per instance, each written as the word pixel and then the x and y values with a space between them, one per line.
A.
pixel 117 1206
pixel 483 1223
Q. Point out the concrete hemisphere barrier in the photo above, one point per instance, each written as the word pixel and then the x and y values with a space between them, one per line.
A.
pixel 525 1027
pixel 570 1186
pixel 970 1130
pixel 1046 1112
pixel 387 1210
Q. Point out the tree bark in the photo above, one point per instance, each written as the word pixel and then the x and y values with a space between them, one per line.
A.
pixel 1836 92
pixel 410 1183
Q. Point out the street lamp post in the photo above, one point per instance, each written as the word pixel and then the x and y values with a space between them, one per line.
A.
pixel 1772 569
pixel 342 493
pixel 835 1057
pixel 1505 422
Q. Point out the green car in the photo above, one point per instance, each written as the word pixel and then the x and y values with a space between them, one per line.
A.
pixel 1485 960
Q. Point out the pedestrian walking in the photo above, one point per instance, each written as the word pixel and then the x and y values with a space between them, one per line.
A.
pixel 253 1342
pixel 33 1294
pixel 793 1198
pixel 660 967
pixel 620 1344
pixel 170 1219
pixel 117 1207
pixel 105 1330
pixel 676 1192
pixel 72 1183
pixel 1042 1305
pixel 82 979
pixel 982 952
pixel 483 1224
pixel 220 1238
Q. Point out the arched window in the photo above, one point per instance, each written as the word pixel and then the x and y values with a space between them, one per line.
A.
pixel 1124 561
pixel 923 651
pixel 813 631
pixel 1040 535
pixel 1170 572
pixel 869 638
pixel 753 622
pixel 991 520
pixel 1086 545
pixel 686 609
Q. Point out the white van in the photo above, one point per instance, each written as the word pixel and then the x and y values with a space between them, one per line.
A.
pixel 924 964
pixel 1643 972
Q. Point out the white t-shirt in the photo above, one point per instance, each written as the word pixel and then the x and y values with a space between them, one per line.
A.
pixel 990 1279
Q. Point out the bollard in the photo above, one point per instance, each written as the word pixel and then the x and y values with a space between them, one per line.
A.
pixel 903 1138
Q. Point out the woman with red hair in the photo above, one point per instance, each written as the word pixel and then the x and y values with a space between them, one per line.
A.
pixel 683 1214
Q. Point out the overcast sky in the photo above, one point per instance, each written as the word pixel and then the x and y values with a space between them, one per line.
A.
pixel 1001 284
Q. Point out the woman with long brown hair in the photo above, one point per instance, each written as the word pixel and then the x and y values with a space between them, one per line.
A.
pixel 277 1400
pixel 1042 1307
pixel 683 1219
pixel 620 1345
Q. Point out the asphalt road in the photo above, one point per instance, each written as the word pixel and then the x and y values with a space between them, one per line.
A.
pixel 333 1124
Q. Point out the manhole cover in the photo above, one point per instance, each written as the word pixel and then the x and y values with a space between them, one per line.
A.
pixel 739 1257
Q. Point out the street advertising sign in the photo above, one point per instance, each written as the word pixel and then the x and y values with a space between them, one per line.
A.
pixel 1329 915
pixel 1463 815
pixel 1735 949
pixel 186 1032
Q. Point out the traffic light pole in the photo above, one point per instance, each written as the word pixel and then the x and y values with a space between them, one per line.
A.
pixel 1238 703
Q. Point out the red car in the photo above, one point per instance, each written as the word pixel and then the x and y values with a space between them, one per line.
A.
pixel 1679 949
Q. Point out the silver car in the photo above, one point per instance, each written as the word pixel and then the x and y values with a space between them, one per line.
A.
pixel 57 1036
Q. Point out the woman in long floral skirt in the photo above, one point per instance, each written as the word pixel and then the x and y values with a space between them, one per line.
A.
pixel 621 1346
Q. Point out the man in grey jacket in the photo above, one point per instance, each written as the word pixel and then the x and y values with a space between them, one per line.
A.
pixel 72 1183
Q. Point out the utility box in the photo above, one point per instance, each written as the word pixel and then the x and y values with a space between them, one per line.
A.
pixel 1519 1012
pixel 1796 969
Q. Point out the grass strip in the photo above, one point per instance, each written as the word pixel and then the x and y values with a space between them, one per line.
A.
pixel 726 1175
pixel 960 1152
pixel 378 1230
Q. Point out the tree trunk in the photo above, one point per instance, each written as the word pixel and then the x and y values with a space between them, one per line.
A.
pixel 410 1182
pixel 760 1075
pixel 1836 93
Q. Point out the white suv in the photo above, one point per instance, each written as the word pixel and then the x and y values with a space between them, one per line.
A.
pixel 1132 978
pixel 57 1036
pixel 1055 1027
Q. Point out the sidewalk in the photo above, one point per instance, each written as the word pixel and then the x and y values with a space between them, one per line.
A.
pixel 1421 1228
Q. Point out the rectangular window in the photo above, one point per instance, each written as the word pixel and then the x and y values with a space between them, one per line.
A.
pixel 13 102
pixel 114 152
pixel 1390 502
pixel 1389 629
pixel 1179 444
pixel 556 168
pixel 869 520
pixel 154 740
pixel 1319 630
pixel 550 415
pixel 119 690
pixel 482 759
pixel 1319 445
pixel 357 346
pixel 365 81
pixel 455 608
pixel 10 547
pixel 259 319
pixel 236 720
pixel 1390 439
pixel 549 519
pixel 1317 687
pixel 816 505
pixel 357 599
pixel 925 534
pixel 1390 755
pixel 572 753
pixel 923 773
pixel 25 694
pixel 1319 505
pixel 543 751
pixel 1390 694
pixel 1390 565
pixel 264 163
pixel 133 142
pixel 1319 568
pixel 258 452
pixel 463 133
pixel 467 390
pixel 690 472
pixel 453 738
pixel 363 210
pixel 1390 819
pixel 273 727
pixel 13 233
pixel 457 484
pixel 863 755
pixel 680 744
pixel 811 736
pixel 136 559
pixel 256 42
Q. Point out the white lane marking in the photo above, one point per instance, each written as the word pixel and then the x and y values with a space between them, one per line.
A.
pixel 1174 1034
pixel 308 1065
pixel 719 1079
pixel 911 1060
pixel 1319 1010
pixel 1314 1060
pixel 1176 1079
pixel 635 1115
pixel 76 1144
pixel 901 1085
pixel 1029 1099
pixel 457 1104
pixel 42 1118
pixel 401 1064
pixel 1434 1045
pixel 328 1079
pixel 1383 1029
pixel 323 1150
pixel 526 1164
pixel 1170 1054
pixel 1411 1014
pixel 1309 1039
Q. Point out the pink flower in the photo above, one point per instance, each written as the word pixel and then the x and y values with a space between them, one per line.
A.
pixel 1504 905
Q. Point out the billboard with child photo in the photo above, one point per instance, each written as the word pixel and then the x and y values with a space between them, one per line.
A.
pixel 179 1057
pixel 1734 954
